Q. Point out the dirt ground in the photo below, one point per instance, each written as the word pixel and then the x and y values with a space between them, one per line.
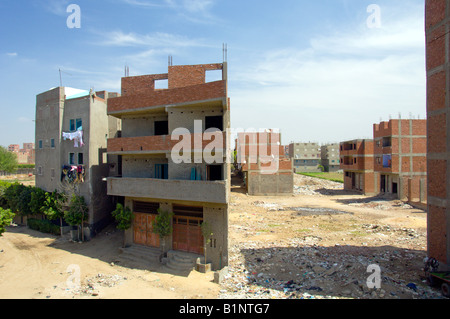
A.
pixel 317 243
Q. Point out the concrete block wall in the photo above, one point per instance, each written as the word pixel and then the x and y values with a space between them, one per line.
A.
pixel 141 126
pixel 141 166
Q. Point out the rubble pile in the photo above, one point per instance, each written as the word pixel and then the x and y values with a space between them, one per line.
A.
pixel 94 284
pixel 305 185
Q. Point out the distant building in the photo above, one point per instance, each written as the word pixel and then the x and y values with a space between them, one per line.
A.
pixel 266 168
pixel 356 157
pixel 393 162
pixel 25 155
pixel 400 151
pixel 306 156
pixel 72 128
pixel 13 148
pixel 330 157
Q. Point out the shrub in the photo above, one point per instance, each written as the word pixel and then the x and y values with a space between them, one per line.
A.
pixel 123 216
pixel 3 187
pixel 44 226
pixel 6 218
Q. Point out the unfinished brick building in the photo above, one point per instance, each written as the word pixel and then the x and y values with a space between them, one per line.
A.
pixel 191 181
pixel 437 24
pixel 266 168
pixel 400 150
pixel 393 162
pixel 357 162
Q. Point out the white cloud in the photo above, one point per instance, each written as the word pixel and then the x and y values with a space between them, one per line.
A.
pixel 338 86
pixel 143 3
pixel 12 54
pixel 57 7
pixel 157 40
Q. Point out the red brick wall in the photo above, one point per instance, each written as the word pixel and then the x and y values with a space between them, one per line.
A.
pixel 194 93
pixel 143 84
pixel 160 143
pixel 187 75
pixel 437 21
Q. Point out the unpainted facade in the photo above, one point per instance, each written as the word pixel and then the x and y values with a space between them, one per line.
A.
pixel 75 165
pixel 173 156
pixel 329 154
pixel 266 168
pixel 357 162
pixel 437 22
pixel 306 156
pixel 400 158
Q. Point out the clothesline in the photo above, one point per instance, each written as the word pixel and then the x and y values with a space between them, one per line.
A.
pixel 76 136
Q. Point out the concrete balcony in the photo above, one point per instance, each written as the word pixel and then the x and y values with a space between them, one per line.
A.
pixel 180 190
pixel 163 143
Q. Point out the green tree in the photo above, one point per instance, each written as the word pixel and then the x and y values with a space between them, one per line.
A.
pixel 3 187
pixel 124 218
pixel 77 213
pixel 162 225
pixel 8 160
pixel 24 201
pixel 6 218
pixel 16 201
pixel 53 206
pixel 37 201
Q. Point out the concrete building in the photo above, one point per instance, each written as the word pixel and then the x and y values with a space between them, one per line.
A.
pixel 307 157
pixel 357 162
pixel 25 155
pixel 330 159
pixel 167 161
pixel 437 22
pixel 400 158
pixel 72 128
pixel 266 169
pixel 13 148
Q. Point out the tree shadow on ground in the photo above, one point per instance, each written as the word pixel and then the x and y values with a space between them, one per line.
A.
pixel 339 271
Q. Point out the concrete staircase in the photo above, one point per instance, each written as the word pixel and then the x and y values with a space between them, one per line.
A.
pixel 181 261
pixel 138 254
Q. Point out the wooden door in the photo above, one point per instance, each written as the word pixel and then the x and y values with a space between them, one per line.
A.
pixel 187 234
pixel 143 230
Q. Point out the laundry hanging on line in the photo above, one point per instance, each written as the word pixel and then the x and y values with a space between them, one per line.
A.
pixel 77 137
pixel 73 173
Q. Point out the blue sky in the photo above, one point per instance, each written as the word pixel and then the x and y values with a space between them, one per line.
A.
pixel 316 70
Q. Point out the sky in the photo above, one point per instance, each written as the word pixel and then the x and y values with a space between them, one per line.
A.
pixel 319 71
